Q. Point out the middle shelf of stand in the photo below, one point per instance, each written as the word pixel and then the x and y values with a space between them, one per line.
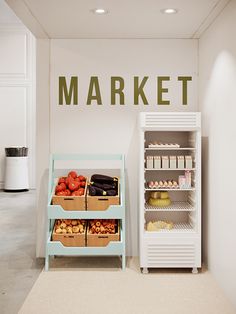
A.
pixel 113 212
pixel 174 206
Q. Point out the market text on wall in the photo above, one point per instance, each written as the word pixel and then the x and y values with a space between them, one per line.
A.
pixel 69 90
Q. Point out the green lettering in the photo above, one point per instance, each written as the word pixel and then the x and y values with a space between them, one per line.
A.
pixel 94 84
pixel 117 90
pixel 73 90
pixel 138 90
pixel 161 90
pixel 185 79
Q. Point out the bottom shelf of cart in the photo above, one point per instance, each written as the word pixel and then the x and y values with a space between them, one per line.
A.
pixel 57 248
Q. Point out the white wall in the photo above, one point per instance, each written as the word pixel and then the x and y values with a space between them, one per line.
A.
pixel 17 88
pixel 113 129
pixel 217 52
pixel 42 137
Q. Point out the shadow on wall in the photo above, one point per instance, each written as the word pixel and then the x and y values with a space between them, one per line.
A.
pixel 42 200
pixel 132 175
pixel 2 169
pixel 205 199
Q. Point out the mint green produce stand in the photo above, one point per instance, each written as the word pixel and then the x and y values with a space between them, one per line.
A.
pixel 114 248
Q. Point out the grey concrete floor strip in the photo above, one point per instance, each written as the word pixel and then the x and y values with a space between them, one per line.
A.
pixel 19 268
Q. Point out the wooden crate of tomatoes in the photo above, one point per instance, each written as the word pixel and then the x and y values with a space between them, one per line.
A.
pixel 70 232
pixel 103 191
pixel 101 231
pixel 70 192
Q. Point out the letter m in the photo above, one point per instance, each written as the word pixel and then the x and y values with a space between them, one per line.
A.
pixel 66 94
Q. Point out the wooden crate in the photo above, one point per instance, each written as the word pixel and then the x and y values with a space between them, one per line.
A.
pixel 102 202
pixel 76 239
pixel 70 202
pixel 102 239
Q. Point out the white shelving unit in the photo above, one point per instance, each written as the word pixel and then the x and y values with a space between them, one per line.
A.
pixel 181 245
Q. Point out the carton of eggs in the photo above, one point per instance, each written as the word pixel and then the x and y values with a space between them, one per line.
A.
pixel 163 184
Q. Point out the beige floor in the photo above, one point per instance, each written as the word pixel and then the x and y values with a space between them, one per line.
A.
pixel 89 290
pixel 90 285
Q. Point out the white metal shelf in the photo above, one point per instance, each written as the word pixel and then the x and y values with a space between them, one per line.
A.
pixel 178 227
pixel 177 169
pixel 169 148
pixel 175 206
pixel 166 189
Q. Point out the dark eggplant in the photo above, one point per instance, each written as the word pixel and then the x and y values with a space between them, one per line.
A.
pixel 99 192
pixel 100 178
pixel 92 190
pixel 104 186
pixel 111 192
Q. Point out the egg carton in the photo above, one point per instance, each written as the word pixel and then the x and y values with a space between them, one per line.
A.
pixel 163 145
pixel 169 184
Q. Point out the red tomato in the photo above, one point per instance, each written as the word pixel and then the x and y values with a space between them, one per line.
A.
pixel 68 180
pixel 82 184
pixel 59 188
pixel 72 174
pixel 73 185
pixel 77 179
pixel 68 193
pixel 82 178
pixel 62 180
pixel 63 186
pixel 61 193
pixel 76 193
pixel 81 191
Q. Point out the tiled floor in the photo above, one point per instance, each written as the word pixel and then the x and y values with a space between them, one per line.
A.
pixel 18 266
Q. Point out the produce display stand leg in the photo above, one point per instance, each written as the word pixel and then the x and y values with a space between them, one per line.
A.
pixel 46 262
pixel 123 262
pixel 46 249
pixel 123 218
pixel 114 248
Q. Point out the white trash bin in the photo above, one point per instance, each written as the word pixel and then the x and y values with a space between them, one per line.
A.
pixel 16 169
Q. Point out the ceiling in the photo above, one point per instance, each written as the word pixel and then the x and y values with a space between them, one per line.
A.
pixel 126 18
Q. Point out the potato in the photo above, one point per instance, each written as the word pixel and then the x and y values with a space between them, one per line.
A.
pixel 75 229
